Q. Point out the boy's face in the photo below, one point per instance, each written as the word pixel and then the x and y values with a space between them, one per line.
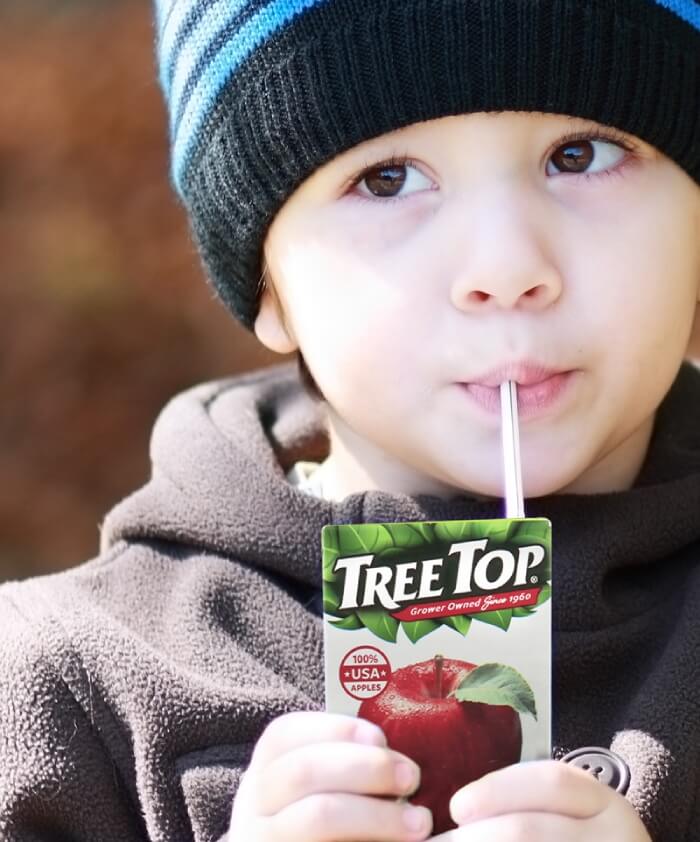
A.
pixel 499 249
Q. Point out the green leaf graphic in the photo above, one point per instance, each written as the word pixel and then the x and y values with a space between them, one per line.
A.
pixel 379 623
pixel 351 623
pixel 501 619
pixel 460 623
pixel 512 530
pixel 347 540
pixel 406 535
pixel 523 611
pixel 331 600
pixel 527 536
pixel 532 531
pixel 427 530
pixel 414 631
pixel 456 530
pixel 498 531
pixel 328 565
pixel 363 538
pixel 329 538
pixel 354 540
pixel 497 684
pixel 392 554
pixel 545 594
pixel 329 546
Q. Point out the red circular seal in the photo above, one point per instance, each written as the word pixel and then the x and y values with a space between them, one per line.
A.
pixel 364 672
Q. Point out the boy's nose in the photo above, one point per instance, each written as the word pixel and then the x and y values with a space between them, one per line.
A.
pixel 504 264
pixel 506 293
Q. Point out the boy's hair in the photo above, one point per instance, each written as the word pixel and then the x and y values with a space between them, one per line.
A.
pixel 261 93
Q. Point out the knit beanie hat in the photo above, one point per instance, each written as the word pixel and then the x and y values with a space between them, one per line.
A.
pixel 260 93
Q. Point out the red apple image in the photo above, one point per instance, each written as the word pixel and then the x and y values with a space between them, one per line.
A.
pixel 454 742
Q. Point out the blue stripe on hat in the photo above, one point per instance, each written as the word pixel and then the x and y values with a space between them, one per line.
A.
pixel 689 10
pixel 204 44
pixel 210 52
pixel 195 24
pixel 170 38
pixel 265 23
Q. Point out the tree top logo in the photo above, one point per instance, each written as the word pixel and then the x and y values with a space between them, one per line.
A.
pixel 419 576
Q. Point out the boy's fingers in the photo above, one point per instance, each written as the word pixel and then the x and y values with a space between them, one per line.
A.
pixel 339 817
pixel 294 730
pixel 519 827
pixel 546 786
pixel 334 767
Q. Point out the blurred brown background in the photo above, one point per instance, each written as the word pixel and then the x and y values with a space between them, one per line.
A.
pixel 104 312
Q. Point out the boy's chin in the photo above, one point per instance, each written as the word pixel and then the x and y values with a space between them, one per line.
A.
pixel 533 486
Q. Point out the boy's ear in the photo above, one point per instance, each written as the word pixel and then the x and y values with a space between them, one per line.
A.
pixel 270 326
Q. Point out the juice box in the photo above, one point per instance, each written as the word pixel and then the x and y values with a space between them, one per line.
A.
pixel 440 633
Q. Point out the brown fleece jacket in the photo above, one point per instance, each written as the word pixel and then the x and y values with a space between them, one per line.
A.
pixel 133 687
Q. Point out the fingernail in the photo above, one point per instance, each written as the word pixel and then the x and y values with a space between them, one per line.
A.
pixel 416 819
pixel 406 778
pixel 369 734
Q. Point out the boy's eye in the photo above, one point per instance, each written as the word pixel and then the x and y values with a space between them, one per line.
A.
pixel 585 156
pixel 391 180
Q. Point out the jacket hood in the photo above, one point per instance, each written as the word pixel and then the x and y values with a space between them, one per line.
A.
pixel 220 453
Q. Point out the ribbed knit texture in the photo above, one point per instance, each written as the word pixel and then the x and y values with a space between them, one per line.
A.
pixel 262 93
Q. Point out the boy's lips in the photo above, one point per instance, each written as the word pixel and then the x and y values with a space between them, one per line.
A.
pixel 539 388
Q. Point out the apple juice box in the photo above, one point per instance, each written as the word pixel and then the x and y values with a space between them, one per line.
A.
pixel 440 633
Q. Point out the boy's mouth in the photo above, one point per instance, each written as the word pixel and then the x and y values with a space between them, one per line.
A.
pixel 539 388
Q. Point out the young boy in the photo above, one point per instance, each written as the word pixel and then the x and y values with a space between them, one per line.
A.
pixel 422 198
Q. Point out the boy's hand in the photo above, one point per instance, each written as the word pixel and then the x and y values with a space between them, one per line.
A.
pixel 541 801
pixel 316 777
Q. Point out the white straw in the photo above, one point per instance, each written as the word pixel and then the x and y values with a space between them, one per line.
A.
pixel 515 506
